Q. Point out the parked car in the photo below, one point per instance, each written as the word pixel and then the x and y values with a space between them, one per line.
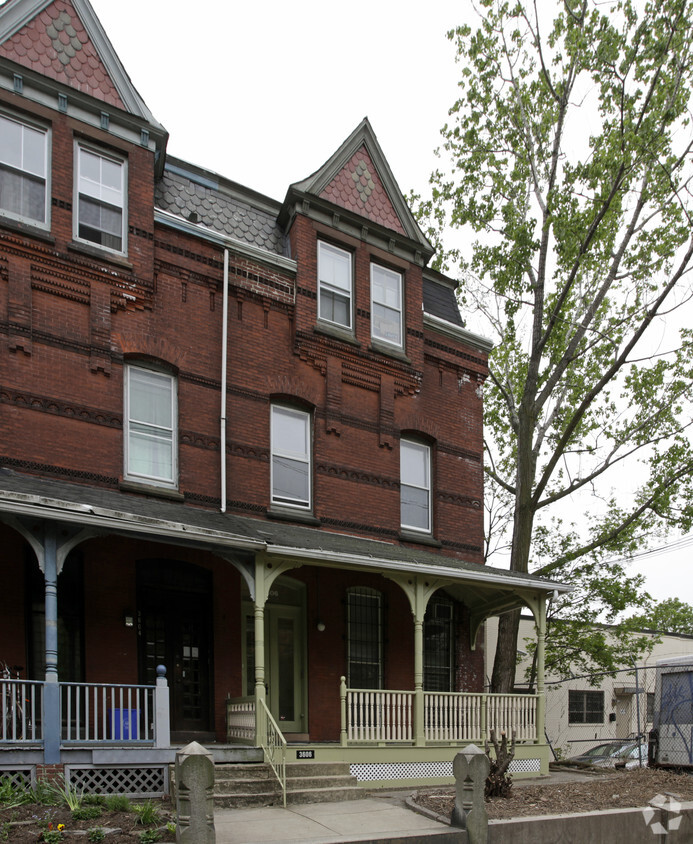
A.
pixel 614 754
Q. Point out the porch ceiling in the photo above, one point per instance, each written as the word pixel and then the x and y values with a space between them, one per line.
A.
pixel 98 511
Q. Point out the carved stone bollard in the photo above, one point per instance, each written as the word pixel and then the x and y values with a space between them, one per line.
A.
pixel 471 767
pixel 195 795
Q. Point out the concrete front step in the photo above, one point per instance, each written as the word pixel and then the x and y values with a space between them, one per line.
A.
pixel 239 786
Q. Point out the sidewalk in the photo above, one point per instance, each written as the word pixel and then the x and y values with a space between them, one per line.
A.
pixel 378 818
pixel 382 817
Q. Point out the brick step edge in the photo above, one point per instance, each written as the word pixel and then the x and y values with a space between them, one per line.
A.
pixel 273 798
pixel 224 786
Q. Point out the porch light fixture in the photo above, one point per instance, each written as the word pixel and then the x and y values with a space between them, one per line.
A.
pixel 128 619
pixel 320 626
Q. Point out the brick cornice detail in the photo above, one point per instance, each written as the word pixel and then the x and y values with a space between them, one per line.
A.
pixel 460 500
pixel 343 473
pixel 61 408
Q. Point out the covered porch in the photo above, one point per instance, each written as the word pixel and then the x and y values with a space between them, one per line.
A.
pixel 289 647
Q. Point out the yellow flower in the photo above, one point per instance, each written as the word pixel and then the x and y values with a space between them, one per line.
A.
pixel 61 827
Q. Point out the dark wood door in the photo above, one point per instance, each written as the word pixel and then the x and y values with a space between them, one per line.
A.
pixel 175 632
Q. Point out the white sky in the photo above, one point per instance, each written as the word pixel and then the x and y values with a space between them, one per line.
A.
pixel 263 93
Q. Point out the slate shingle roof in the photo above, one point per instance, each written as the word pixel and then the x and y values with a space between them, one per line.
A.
pixel 223 206
pixel 439 300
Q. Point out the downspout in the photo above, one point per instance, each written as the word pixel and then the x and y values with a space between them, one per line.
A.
pixel 224 347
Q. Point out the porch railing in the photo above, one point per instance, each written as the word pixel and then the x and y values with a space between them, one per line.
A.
pixel 99 712
pixel 274 746
pixel 388 716
pixel 21 706
pixel 379 715
pixel 240 720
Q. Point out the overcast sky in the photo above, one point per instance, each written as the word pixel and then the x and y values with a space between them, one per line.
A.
pixel 263 93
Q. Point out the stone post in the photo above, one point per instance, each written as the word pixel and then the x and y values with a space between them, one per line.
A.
pixel 195 795
pixel 471 767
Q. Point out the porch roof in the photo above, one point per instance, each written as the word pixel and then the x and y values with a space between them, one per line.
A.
pixel 95 511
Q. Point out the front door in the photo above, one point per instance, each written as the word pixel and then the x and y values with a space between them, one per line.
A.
pixel 286 675
pixel 285 649
pixel 174 628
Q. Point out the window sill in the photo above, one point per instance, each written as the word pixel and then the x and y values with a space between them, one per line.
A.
pixel 391 351
pixel 101 254
pixel 150 489
pixel 26 228
pixel 420 538
pixel 286 514
pixel 333 331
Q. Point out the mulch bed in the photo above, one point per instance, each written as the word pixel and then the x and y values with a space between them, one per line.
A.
pixel 26 823
pixel 608 790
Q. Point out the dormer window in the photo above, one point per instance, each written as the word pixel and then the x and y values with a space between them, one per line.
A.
pixel 101 199
pixel 386 305
pixel 334 285
pixel 23 171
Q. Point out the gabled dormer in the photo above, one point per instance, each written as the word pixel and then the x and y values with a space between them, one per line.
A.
pixel 76 135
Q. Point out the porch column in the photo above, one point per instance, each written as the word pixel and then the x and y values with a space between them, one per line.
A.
pixel 419 737
pixel 260 721
pixel 541 646
pixel 51 690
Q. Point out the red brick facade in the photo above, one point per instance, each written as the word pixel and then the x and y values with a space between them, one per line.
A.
pixel 72 316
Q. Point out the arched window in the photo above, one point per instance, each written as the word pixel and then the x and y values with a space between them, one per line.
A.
pixel 364 638
pixel 439 645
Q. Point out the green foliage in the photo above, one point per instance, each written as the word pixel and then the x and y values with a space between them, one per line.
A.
pixel 86 813
pixel 171 828
pixel 96 833
pixel 94 799
pixel 147 813
pixel 12 794
pixel 150 836
pixel 668 616
pixel 57 792
pixel 118 803
pixel 569 150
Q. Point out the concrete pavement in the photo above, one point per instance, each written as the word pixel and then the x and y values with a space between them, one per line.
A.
pixel 384 818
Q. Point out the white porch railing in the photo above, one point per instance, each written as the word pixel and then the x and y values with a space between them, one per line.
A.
pixel 379 715
pixel 388 716
pixel 240 720
pixel 98 712
pixel 21 703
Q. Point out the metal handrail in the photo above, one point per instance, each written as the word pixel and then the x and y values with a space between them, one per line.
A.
pixel 274 747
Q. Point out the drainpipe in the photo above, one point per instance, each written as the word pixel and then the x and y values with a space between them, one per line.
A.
pixel 224 346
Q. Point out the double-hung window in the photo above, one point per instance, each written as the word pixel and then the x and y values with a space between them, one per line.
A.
pixel 334 284
pixel 364 638
pixel 23 171
pixel 415 486
pixel 291 457
pixel 150 426
pixel 101 199
pixel 386 305
pixel 585 707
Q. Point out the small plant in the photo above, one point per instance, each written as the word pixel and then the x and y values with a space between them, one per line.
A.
pixel 53 834
pixel 150 836
pixel 171 827
pixel 147 814
pixel 13 794
pixel 5 831
pixel 86 813
pixel 96 833
pixel 118 803
pixel 58 792
pixel 94 800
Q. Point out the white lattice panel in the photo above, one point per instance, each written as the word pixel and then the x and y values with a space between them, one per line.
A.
pixel 148 781
pixel 370 772
pixel 19 777
pixel 525 766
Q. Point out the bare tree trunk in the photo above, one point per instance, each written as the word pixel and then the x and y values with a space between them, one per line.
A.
pixel 503 677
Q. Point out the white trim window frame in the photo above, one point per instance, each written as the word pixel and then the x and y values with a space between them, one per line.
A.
pixel 150 427
pixel 100 207
pixel 386 306
pixel 415 486
pixel 24 171
pixel 335 285
pixel 291 463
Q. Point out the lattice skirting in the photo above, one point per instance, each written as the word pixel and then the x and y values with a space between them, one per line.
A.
pixel 18 776
pixel 373 772
pixel 149 781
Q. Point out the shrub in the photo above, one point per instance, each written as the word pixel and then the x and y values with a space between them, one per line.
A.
pixel 96 833
pixel 118 803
